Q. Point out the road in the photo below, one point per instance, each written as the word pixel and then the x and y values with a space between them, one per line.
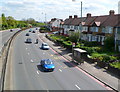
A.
pixel 28 75
pixel 5 35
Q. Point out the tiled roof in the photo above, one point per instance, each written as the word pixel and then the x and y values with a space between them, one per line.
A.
pixel 68 21
pixel 99 20
pixel 111 20
pixel 89 20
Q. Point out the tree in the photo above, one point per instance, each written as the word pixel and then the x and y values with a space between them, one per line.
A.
pixel 31 21
pixel 11 22
pixel 74 37
pixel 4 22
pixel 109 43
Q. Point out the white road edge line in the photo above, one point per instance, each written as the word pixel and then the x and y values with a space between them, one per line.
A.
pixel 37 72
pixel 77 86
pixel 60 70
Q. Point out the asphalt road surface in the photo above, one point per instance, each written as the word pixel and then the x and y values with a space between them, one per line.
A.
pixel 27 74
pixel 5 35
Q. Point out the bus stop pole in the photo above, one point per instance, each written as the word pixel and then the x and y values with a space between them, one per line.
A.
pixel 73 45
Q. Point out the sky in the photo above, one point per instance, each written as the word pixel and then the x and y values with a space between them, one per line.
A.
pixel 45 10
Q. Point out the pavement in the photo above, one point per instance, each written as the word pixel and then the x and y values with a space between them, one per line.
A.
pixel 100 74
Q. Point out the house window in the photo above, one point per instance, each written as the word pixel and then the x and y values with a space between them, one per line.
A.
pixel 103 30
pixel 76 27
pixel 109 29
pixel 85 28
pixel 68 26
pixel 94 29
pixel 93 38
pixel 118 30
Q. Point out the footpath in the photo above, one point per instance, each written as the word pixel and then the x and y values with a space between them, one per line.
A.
pixel 100 74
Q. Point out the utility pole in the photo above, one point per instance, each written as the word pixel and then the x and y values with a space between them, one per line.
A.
pixel 45 18
pixel 81 9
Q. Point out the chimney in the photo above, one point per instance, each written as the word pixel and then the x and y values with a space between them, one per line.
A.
pixel 75 16
pixel 88 15
pixel 70 17
pixel 111 12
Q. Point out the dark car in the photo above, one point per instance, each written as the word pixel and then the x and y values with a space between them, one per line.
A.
pixel 27 34
pixel 11 30
pixel 47 64
pixel 33 31
pixel 30 30
pixel 28 40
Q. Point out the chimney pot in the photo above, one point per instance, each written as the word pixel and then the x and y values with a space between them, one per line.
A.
pixel 111 12
pixel 75 16
pixel 70 17
pixel 88 15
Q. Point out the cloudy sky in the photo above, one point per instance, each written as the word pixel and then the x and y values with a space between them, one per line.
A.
pixel 38 9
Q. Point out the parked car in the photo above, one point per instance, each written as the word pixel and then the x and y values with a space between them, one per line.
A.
pixel 45 46
pixel 27 34
pixel 28 40
pixel 47 65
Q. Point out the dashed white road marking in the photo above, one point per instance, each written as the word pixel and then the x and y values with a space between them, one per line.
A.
pixel 31 60
pixel 43 53
pixel 26 48
pixel 77 86
pixel 37 72
pixel 28 53
pixel 60 70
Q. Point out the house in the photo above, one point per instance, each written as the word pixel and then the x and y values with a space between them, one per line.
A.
pixel 94 28
pixel 98 28
pixel 54 24
pixel 66 26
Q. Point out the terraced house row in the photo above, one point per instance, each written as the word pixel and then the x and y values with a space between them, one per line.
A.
pixel 92 28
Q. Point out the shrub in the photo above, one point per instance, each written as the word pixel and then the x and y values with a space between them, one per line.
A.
pixel 67 44
pixel 109 43
pixel 115 64
pixel 103 57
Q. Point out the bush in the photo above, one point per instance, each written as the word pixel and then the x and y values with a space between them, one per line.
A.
pixel 67 44
pixel 115 64
pixel 103 57
pixel 109 43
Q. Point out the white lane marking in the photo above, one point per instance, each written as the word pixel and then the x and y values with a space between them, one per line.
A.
pixel 28 53
pixel 43 53
pixel 77 86
pixel 26 48
pixel 31 60
pixel 37 72
pixel 60 70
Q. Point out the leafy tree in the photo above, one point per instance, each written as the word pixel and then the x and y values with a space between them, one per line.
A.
pixel 109 43
pixel 4 22
pixel 74 37
pixel 31 21
pixel 11 22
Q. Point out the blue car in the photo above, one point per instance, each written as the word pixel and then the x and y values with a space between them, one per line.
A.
pixel 47 65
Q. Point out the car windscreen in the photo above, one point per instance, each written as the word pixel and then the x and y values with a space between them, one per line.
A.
pixel 45 45
pixel 48 62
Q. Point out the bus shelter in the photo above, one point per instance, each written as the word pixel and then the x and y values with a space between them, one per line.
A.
pixel 79 55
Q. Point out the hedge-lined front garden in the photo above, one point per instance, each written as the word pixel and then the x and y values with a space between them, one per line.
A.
pixel 96 52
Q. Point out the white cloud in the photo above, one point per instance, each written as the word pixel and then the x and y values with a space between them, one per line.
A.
pixel 56 8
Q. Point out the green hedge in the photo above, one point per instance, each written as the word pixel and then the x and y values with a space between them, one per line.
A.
pixel 103 57
pixel 115 64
